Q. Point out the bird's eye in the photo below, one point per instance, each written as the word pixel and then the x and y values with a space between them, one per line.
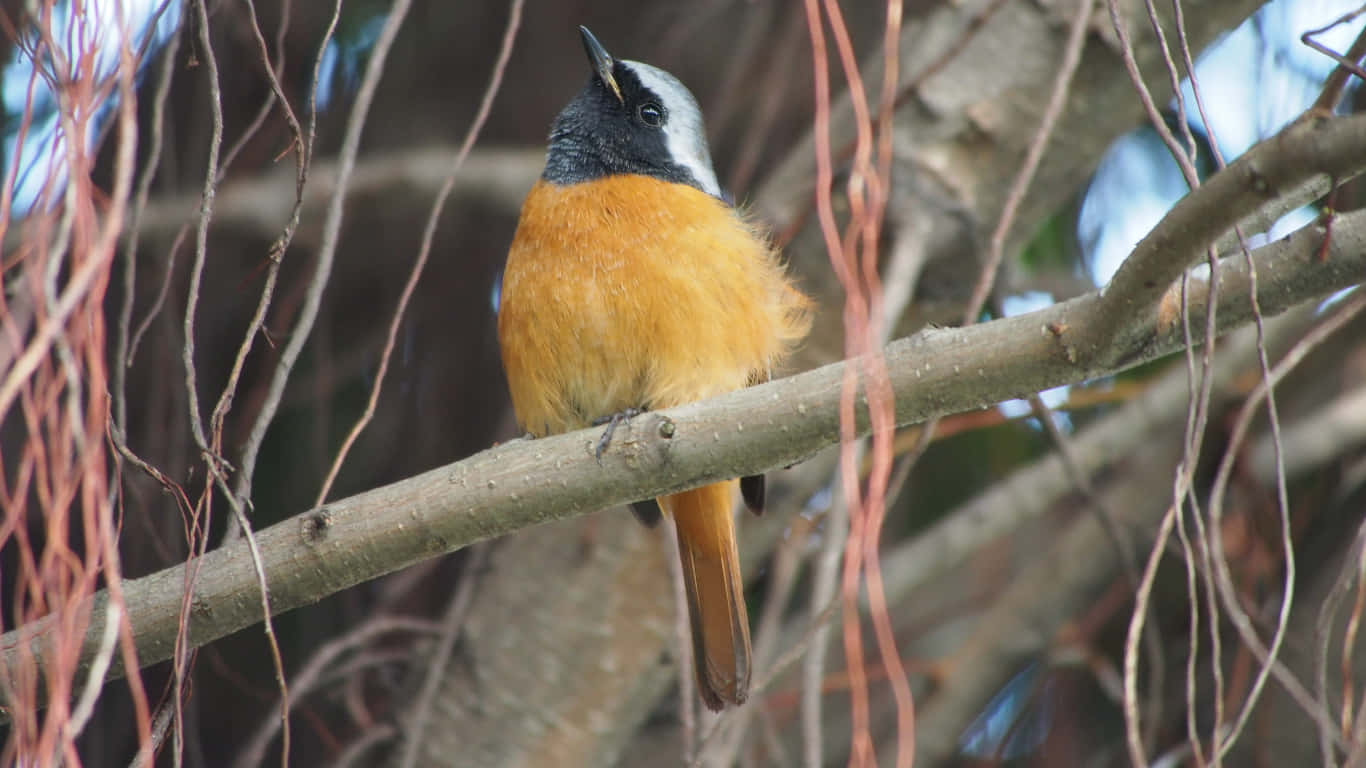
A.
pixel 651 114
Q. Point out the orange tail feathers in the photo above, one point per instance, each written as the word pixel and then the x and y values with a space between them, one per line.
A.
pixel 716 597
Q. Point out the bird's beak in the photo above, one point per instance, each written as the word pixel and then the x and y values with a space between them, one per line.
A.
pixel 601 61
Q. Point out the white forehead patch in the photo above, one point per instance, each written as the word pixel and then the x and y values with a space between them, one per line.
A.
pixel 684 133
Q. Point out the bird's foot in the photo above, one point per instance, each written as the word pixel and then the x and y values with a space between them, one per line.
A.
pixel 611 422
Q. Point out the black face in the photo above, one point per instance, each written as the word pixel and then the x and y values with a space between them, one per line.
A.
pixel 597 135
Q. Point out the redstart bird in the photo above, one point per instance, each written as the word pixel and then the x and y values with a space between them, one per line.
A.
pixel 633 284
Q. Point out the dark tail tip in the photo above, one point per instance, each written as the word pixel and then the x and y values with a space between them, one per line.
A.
pixel 752 490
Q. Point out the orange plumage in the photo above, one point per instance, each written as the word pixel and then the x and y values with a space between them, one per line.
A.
pixel 633 292
pixel 629 291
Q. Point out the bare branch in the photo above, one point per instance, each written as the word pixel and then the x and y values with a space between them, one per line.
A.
pixel 421 712
pixel 260 204
pixel 1324 436
pixel 1294 168
pixel 524 483
pixel 303 326
pixel 428 233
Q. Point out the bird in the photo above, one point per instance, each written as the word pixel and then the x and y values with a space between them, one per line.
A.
pixel 631 284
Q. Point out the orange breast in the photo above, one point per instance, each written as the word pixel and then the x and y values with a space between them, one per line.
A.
pixel 631 292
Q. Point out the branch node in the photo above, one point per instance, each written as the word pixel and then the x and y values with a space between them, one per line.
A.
pixel 315 526
pixel 1260 184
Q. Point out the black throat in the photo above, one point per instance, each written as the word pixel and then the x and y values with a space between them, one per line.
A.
pixel 596 136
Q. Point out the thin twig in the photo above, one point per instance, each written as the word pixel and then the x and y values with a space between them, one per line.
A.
pixel 373 737
pixel 201 247
pixel 1336 83
pixel 122 344
pixel 1197 410
pixel 1024 177
pixel 428 234
pixel 421 712
pixel 1193 591
pixel 85 705
pixel 855 263
pixel 1356 735
pixel 837 520
pixel 304 149
pixel 1266 390
pixel 302 154
pixel 208 192
pixel 301 147
pixel 327 250
pixel 268 624
pixel 1352 569
pixel 1227 591
pixel 311 674
pixel 159 302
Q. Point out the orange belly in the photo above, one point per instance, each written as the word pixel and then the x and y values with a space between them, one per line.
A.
pixel 630 292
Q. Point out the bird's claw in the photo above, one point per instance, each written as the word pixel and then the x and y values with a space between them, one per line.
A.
pixel 611 422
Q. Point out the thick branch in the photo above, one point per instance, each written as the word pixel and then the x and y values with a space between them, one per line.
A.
pixel 524 483
pixel 260 204
pixel 1324 436
pixel 1024 622
pixel 963 108
pixel 1024 618
pixel 1287 171
pixel 1028 493
pixel 918 572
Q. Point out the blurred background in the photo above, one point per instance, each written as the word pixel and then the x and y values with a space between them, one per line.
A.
pixel 1013 639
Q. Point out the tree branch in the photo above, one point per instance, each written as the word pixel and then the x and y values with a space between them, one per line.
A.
pixel 525 482
pixel 917 570
pixel 1318 438
pixel 260 204
pixel 1290 170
